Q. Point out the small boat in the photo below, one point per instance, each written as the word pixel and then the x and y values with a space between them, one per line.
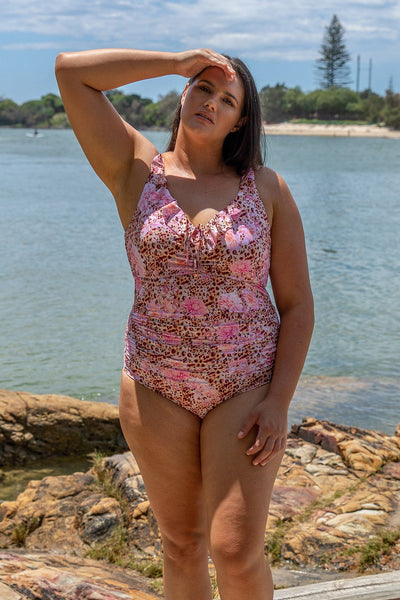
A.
pixel 34 134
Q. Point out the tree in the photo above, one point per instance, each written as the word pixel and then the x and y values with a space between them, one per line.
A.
pixel 391 112
pixel 272 103
pixel 35 113
pixel 332 66
pixel 10 112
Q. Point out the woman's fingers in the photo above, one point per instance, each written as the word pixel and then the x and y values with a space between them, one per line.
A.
pixel 271 448
pixel 225 65
pixel 267 443
pixel 271 435
pixel 247 426
pixel 192 62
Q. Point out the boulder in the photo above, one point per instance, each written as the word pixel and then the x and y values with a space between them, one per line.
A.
pixel 36 426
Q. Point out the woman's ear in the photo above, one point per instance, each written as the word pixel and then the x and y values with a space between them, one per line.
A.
pixel 184 94
pixel 239 124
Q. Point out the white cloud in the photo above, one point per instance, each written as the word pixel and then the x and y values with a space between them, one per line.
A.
pixel 273 29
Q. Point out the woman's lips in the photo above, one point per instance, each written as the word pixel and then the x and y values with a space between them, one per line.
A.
pixel 205 116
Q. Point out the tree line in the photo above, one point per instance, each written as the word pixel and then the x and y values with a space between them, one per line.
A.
pixel 278 103
pixel 48 112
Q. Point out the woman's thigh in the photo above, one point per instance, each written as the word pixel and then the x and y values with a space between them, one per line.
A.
pixel 237 493
pixel 165 440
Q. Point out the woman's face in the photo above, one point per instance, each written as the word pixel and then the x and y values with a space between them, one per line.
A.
pixel 212 105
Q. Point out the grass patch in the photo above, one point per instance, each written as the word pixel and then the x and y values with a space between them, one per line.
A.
pixel 376 547
pixel 275 539
pixel 105 484
pixel 115 551
pixel 23 529
pixel 370 553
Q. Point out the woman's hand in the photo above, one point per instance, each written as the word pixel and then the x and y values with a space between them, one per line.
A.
pixel 271 422
pixel 191 62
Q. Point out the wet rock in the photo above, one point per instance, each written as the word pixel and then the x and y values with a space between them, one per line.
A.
pixel 33 427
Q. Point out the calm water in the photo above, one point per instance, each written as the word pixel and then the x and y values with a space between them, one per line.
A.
pixel 66 288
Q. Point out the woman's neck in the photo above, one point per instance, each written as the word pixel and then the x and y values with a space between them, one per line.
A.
pixel 191 156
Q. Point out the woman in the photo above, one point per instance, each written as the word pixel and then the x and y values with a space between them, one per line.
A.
pixel 209 369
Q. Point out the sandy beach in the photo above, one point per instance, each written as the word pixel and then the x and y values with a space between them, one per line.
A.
pixel 290 128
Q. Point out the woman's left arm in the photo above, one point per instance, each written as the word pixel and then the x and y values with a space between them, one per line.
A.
pixel 292 291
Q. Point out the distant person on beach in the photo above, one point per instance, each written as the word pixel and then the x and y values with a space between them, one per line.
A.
pixel 210 366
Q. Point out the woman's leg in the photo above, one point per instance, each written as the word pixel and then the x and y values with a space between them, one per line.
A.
pixel 237 496
pixel 165 440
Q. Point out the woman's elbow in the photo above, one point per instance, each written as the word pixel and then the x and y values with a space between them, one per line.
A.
pixel 63 62
pixel 301 309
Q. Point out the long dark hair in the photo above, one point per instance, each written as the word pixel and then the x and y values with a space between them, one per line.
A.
pixel 242 148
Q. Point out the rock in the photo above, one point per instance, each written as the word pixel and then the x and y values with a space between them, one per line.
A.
pixel 337 488
pixel 97 517
pixel 71 513
pixel 33 427
pixel 357 499
pixel 46 515
pixel 361 449
pixel 392 470
pixel 35 576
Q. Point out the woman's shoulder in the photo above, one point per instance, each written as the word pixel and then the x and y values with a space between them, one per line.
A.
pixel 272 188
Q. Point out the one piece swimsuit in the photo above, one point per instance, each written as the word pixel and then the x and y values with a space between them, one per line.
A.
pixel 202 328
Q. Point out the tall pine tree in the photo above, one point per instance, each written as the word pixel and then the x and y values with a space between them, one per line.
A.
pixel 332 66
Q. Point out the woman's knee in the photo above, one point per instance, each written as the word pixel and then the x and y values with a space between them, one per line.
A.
pixel 184 546
pixel 239 554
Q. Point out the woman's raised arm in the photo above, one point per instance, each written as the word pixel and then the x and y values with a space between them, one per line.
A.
pixel 110 144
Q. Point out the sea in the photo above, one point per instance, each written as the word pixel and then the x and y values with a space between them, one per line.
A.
pixel 66 288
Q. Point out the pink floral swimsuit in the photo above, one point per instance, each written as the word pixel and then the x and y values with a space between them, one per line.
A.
pixel 202 328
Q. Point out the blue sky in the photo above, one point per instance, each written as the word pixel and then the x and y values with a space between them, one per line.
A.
pixel 278 40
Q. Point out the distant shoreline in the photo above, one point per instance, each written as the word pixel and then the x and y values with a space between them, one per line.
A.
pixel 330 130
pixel 287 128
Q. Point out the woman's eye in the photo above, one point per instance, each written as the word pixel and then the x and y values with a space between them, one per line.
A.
pixel 228 101
pixel 204 88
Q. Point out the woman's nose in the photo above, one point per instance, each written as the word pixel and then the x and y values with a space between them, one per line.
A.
pixel 210 103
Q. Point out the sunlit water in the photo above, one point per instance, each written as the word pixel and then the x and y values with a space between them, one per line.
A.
pixel 66 287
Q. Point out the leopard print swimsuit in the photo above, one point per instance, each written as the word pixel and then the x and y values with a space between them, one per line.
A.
pixel 202 328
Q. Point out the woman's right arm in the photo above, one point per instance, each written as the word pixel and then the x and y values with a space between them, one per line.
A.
pixel 110 144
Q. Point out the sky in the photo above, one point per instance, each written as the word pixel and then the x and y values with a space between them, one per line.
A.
pixel 278 40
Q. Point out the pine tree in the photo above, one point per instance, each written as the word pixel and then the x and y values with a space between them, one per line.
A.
pixel 333 70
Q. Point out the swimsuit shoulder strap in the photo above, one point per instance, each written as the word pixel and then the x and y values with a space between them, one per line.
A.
pixel 157 173
pixel 251 195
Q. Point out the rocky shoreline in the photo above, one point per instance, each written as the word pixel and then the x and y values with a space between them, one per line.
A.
pixel 335 506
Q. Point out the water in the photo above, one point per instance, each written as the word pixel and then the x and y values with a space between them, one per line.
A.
pixel 66 287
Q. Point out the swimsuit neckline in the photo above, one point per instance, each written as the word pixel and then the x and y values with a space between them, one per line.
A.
pixel 199 226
